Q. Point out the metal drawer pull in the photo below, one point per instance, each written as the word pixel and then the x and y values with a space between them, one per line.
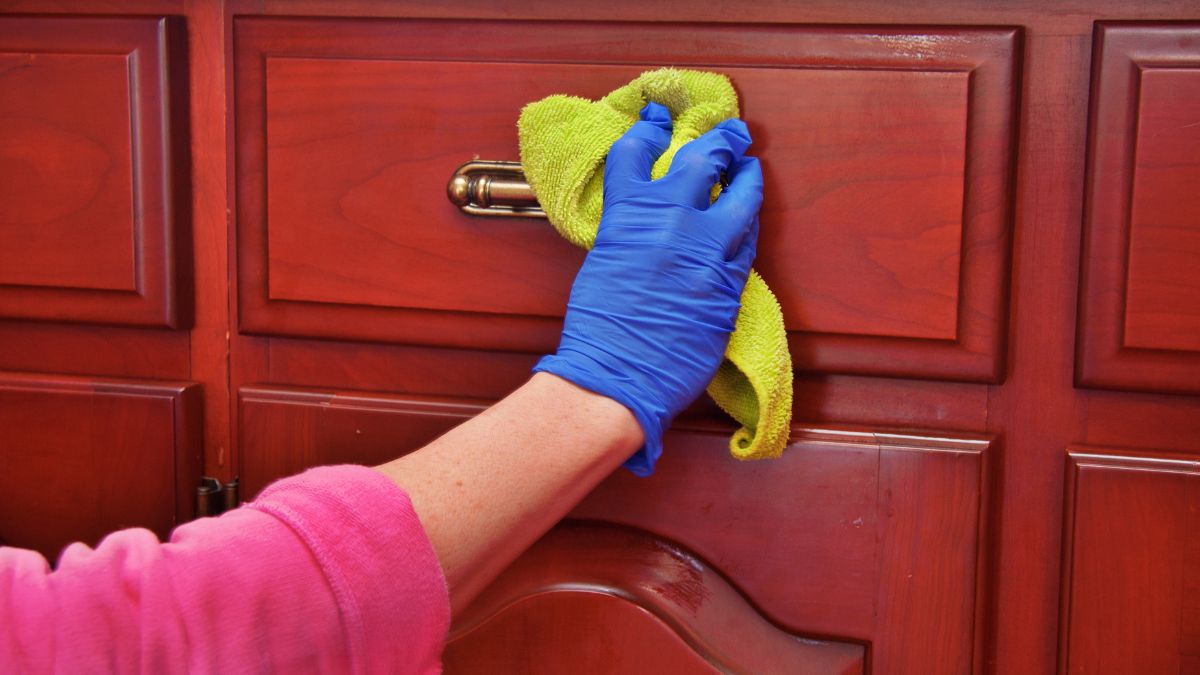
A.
pixel 484 188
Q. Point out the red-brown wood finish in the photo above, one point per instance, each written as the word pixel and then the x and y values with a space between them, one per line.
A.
pixel 95 190
pixel 627 588
pixel 83 457
pixel 852 534
pixel 290 430
pixel 865 535
pixel 338 235
pixel 1131 584
pixel 1029 388
pixel 1139 312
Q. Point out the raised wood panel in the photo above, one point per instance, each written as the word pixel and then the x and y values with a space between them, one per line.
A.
pixel 867 195
pixel 867 536
pixel 93 170
pixel 82 457
pixel 864 535
pixel 1140 294
pixel 887 207
pixel 626 602
pixel 1162 304
pixel 1131 573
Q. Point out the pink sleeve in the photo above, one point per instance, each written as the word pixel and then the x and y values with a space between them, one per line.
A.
pixel 326 571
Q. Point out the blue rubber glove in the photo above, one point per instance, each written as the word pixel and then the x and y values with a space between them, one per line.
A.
pixel 653 306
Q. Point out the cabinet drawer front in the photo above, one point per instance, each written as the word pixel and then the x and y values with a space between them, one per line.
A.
pixel 885 226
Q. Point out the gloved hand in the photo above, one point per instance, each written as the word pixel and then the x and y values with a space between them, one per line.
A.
pixel 653 306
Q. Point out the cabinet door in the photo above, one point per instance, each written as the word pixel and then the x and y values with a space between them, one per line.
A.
pixel 853 536
pixel 883 260
pixel 885 236
pixel 82 457
pixel 100 429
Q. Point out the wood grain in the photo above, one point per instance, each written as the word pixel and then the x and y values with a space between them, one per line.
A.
pixel 341 238
pixel 85 456
pixel 94 198
pixel 1131 595
pixel 870 536
pixel 859 534
pixel 1034 411
pixel 1139 306
pixel 646 605
pixel 66 167
pixel 209 29
pixel 1162 303
pixel 117 351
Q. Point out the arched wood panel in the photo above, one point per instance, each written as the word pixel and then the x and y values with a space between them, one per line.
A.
pixel 653 607
pixel 865 537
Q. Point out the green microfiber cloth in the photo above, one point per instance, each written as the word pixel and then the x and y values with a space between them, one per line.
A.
pixel 564 140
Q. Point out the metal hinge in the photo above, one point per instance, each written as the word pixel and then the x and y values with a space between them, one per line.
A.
pixel 214 497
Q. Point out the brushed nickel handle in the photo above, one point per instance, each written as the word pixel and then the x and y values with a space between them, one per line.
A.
pixel 493 188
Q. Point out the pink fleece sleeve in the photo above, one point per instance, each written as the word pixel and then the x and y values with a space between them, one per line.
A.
pixel 327 571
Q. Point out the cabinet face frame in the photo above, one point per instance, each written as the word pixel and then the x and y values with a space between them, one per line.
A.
pixel 1123 54
pixel 986 56
pixel 160 180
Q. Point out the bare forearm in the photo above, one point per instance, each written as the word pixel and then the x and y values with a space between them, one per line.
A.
pixel 489 488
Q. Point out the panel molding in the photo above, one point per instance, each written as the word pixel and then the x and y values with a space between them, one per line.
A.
pixel 870 535
pixel 674 586
pixel 1130 592
pixel 867 535
pixel 1123 51
pixel 122 452
pixel 155 288
pixel 987 56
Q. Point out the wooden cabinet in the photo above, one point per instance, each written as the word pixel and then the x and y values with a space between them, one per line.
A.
pixel 981 222
pixel 94 213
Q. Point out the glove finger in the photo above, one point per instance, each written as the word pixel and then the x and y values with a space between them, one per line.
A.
pixel 736 209
pixel 698 164
pixel 747 250
pixel 632 155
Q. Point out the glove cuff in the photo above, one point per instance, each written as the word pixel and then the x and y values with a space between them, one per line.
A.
pixel 642 462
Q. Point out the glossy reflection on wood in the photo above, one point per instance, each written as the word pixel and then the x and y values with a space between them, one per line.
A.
pixel 874 537
pixel 654 607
